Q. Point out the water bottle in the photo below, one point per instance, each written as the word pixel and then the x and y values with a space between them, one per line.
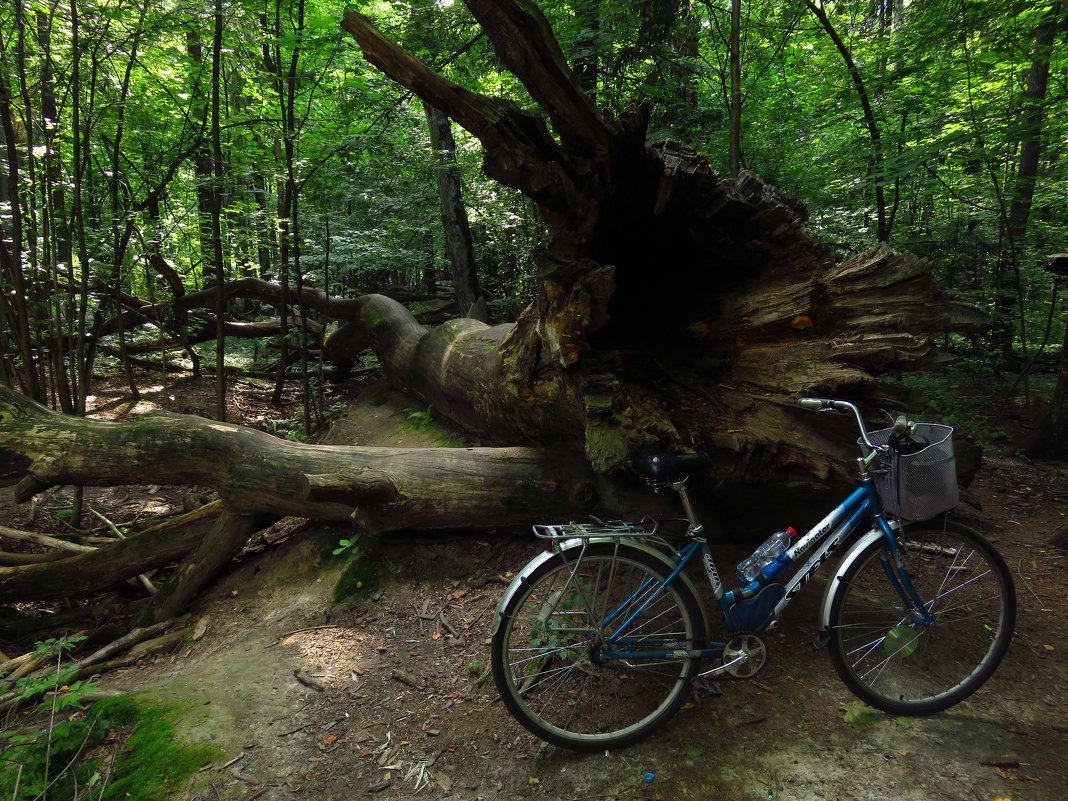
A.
pixel 771 548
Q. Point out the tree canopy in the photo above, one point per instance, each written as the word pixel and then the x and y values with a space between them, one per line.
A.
pixel 124 127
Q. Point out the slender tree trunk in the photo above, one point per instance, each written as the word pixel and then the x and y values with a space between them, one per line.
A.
pixel 1031 120
pixel 18 309
pixel 870 121
pixel 55 246
pixel 216 213
pixel 587 63
pixel 284 82
pixel 121 233
pixel 1009 301
pixel 263 230
pixel 85 346
pixel 293 188
pixel 453 213
pixel 734 149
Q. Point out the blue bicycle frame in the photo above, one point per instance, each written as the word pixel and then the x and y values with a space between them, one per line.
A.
pixel 756 606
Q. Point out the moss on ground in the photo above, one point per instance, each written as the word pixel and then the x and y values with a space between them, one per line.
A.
pixel 151 764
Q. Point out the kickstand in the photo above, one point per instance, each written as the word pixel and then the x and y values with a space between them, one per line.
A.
pixel 708 687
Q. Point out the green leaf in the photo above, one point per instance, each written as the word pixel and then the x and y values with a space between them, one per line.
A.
pixel 858 712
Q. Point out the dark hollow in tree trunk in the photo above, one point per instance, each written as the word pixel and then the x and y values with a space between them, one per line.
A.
pixel 674 308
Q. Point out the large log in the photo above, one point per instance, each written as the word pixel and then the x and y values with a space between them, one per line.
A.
pixel 674 308
pixel 260 477
pixel 104 567
pixel 375 489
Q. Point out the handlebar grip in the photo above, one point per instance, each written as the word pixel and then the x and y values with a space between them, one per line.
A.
pixel 845 407
pixel 824 405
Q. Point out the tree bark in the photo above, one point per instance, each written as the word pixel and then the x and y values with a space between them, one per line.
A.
pixel 1031 119
pixel 376 489
pixel 221 544
pixel 674 309
pixel 870 122
pixel 453 213
pixel 734 46
pixel 104 567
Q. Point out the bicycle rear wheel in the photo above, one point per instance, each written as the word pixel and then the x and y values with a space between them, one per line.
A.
pixel 900 665
pixel 557 674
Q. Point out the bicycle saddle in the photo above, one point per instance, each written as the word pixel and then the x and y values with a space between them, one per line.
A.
pixel 658 467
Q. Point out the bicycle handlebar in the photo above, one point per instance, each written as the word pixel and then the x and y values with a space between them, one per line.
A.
pixel 844 407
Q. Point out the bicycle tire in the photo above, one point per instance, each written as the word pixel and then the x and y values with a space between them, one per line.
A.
pixel 546 651
pixel 906 668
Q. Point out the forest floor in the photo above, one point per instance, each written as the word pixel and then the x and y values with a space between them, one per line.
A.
pixel 388 696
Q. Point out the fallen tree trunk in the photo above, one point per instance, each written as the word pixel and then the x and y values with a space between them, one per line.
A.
pixel 104 567
pixel 375 489
pixel 674 308
pixel 259 478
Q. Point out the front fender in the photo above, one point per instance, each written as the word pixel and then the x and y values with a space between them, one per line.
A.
pixel 850 557
pixel 524 574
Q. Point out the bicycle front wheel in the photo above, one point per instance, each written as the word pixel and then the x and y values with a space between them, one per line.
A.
pixel 900 664
pixel 583 656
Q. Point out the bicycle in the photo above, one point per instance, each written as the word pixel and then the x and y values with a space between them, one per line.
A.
pixel 600 639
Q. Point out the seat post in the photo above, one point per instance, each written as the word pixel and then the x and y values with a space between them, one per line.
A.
pixel 695 526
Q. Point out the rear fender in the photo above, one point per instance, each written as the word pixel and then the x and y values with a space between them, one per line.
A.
pixel 523 576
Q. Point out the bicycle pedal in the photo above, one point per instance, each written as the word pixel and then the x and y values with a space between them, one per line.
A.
pixel 708 687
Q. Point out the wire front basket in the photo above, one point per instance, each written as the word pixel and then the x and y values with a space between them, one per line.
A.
pixel 921 485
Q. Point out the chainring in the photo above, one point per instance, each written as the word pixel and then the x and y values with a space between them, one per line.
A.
pixel 747 645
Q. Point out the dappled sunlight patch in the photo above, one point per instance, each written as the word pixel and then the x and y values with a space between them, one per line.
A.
pixel 334 655
pixel 143 407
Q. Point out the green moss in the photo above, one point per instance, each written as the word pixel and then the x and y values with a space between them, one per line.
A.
pixel 606 446
pixel 151 764
pixel 359 575
pixel 358 578
pixel 372 315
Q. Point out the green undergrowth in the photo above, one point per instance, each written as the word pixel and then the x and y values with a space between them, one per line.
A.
pixel 974 397
pixel 123 748
pixel 359 574
pixel 357 580
pixel 423 422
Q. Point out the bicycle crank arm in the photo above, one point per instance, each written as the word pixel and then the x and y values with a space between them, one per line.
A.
pixel 741 659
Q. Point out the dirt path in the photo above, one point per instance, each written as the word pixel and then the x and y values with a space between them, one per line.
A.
pixel 387 697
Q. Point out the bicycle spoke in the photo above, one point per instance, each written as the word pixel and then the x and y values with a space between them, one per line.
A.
pixel 896 662
pixel 553 659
